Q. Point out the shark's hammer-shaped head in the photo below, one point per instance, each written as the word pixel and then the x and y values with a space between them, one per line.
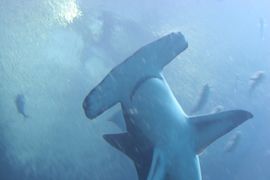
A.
pixel 162 51
pixel 144 63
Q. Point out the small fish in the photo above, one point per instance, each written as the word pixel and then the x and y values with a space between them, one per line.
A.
pixel 203 98
pixel 233 142
pixel 20 105
pixel 255 80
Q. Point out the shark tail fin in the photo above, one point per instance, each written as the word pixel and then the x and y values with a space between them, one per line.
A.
pixel 140 154
pixel 210 127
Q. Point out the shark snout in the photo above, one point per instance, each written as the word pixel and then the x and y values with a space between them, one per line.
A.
pixel 249 115
pixel 179 39
pixel 244 115
pixel 87 108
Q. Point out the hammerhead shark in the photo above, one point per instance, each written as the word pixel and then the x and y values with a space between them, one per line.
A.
pixel 160 138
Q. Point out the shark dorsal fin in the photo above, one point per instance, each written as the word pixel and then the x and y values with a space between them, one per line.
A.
pixel 138 152
pixel 208 128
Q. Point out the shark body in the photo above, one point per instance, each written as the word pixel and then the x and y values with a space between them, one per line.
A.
pixel 161 139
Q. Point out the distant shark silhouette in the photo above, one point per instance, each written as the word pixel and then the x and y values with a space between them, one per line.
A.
pixel 161 139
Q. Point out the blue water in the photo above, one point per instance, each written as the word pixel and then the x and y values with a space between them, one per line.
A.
pixel 54 51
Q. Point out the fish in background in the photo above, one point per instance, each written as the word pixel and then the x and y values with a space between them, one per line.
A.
pixel 233 142
pixel 262 26
pixel 203 98
pixel 217 109
pixel 255 80
pixel 20 105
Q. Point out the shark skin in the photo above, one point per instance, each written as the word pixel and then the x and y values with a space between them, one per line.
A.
pixel 161 139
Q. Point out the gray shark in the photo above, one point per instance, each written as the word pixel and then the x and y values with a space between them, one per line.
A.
pixel 161 139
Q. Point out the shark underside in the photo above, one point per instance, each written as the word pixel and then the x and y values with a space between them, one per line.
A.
pixel 160 138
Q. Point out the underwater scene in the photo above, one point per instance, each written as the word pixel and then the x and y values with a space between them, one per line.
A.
pixel 134 89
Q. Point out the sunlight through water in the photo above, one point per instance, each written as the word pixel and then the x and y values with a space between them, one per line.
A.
pixel 65 12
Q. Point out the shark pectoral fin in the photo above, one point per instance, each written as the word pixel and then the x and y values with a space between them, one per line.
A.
pixel 119 141
pixel 139 152
pixel 157 171
pixel 208 128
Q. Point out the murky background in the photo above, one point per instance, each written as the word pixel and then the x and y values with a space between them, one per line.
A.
pixel 52 52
